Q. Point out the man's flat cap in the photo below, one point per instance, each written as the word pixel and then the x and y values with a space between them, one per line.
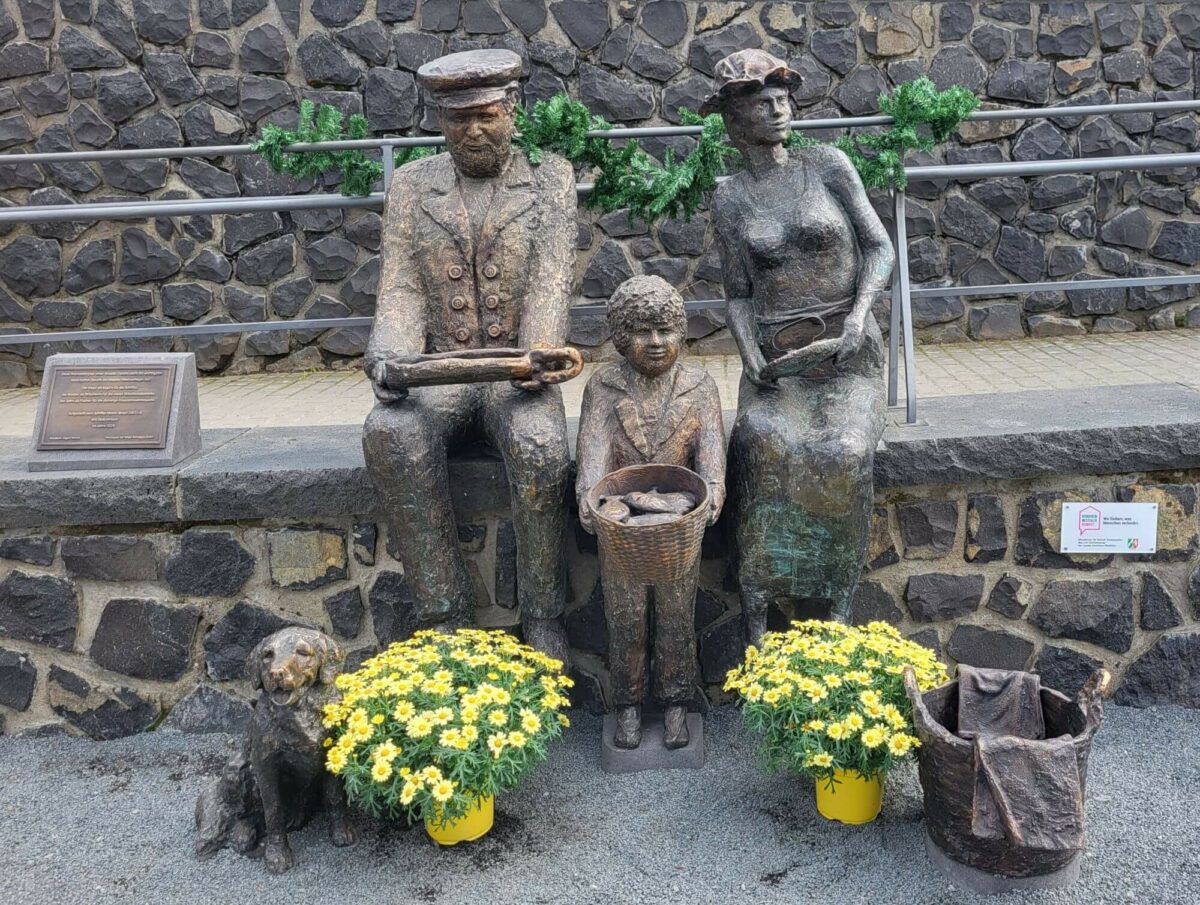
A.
pixel 472 78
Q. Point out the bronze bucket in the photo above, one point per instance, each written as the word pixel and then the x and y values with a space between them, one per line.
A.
pixel 948 768
pixel 651 553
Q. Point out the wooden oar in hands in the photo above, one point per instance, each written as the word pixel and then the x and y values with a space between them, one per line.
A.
pixel 528 368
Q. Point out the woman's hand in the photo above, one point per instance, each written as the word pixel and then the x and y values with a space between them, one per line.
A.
pixel 753 363
pixel 853 334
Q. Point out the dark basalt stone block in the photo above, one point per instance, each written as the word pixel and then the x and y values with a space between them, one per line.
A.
pixel 1100 612
pixel 208 564
pixel 1168 673
pixel 145 639
pixel 205 709
pixel 39 608
pixel 102 713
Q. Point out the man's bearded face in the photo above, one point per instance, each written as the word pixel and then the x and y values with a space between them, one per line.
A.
pixel 479 138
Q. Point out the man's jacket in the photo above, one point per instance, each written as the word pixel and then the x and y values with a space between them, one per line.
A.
pixel 441 290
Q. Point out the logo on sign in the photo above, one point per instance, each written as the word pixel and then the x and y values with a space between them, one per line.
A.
pixel 1133 543
pixel 1089 519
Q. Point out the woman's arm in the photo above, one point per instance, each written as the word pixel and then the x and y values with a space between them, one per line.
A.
pixel 875 246
pixel 739 312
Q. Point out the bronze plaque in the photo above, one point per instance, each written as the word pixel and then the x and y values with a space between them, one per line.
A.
pixel 108 407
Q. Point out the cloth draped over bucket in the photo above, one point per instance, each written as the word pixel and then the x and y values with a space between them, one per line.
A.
pixel 1027 787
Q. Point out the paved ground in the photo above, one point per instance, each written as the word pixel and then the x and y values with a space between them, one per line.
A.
pixel 98 823
pixel 343 397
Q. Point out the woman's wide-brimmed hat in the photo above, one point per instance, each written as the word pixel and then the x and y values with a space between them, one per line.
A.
pixel 743 69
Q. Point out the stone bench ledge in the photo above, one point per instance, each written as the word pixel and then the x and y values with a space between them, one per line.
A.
pixel 318 472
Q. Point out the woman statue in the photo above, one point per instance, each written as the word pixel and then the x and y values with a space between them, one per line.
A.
pixel 804 258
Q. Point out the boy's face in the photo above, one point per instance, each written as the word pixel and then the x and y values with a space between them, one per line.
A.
pixel 653 346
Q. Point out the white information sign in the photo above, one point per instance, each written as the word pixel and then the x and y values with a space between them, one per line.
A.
pixel 1109 528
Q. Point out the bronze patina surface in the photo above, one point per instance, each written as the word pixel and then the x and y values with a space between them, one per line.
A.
pixel 804 258
pixel 478 256
pixel 650 408
pixel 1003 763
pixel 108 407
pixel 277 779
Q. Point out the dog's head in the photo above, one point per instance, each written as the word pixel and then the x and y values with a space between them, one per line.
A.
pixel 286 663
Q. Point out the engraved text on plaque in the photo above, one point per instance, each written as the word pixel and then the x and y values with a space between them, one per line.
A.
pixel 104 406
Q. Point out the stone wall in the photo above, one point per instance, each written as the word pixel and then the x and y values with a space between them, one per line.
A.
pixel 96 74
pixel 108 630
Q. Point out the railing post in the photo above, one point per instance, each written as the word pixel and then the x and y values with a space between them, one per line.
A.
pixel 900 286
pixel 389 165
pixel 894 319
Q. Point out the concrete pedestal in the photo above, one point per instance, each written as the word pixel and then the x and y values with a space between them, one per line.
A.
pixel 652 754
pixel 183 419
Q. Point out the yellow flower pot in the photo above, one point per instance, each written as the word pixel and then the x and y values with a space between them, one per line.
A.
pixel 852 799
pixel 473 825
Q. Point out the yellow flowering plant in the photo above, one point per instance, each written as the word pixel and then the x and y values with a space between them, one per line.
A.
pixel 826 697
pixel 431 725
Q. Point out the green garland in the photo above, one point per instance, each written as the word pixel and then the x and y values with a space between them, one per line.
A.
pixel 923 116
pixel 359 172
pixel 627 178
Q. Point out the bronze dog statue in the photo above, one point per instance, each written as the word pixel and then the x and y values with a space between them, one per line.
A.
pixel 277 779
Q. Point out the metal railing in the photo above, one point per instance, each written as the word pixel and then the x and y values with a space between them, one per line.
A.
pixel 901 328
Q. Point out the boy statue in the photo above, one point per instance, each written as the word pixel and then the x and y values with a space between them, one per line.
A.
pixel 650 408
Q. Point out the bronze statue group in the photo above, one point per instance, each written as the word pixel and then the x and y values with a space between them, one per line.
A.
pixel 477 265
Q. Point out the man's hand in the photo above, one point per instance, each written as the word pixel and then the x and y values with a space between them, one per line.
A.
pixel 377 373
pixel 551 366
pixel 852 336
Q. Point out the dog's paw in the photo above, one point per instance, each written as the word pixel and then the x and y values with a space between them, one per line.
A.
pixel 278 855
pixel 343 832
pixel 244 836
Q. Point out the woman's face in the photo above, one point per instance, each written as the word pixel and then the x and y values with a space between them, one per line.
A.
pixel 761 117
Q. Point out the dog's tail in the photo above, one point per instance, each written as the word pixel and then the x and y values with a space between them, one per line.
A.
pixel 227 801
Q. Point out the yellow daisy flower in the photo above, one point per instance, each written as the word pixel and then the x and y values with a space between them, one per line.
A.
pixel 419 726
pixel 443 791
pixel 405 711
pixel 875 736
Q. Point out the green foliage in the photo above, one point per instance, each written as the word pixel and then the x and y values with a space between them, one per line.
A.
pixel 626 177
pixel 359 172
pixel 923 118
pixel 824 697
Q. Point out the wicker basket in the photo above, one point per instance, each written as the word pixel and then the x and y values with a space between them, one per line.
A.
pixel 651 553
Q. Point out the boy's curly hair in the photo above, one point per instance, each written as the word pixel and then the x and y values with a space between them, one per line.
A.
pixel 642 299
